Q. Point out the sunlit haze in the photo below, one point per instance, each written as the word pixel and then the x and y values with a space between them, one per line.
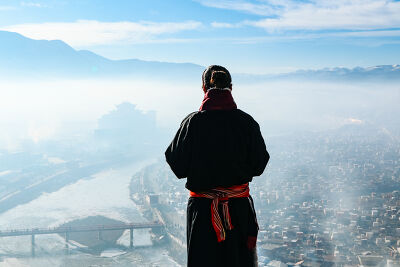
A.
pixel 92 93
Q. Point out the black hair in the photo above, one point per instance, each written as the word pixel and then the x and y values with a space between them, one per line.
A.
pixel 219 79
pixel 207 75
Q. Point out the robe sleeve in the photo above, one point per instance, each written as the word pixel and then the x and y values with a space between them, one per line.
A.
pixel 259 153
pixel 178 153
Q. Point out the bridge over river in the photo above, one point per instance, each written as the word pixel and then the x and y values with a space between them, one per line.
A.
pixel 66 230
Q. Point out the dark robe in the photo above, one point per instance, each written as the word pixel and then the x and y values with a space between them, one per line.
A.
pixel 213 148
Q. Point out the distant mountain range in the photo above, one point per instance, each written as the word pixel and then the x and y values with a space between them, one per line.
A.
pixel 381 72
pixel 21 56
pixel 40 58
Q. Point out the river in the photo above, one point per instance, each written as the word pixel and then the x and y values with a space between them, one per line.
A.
pixel 106 194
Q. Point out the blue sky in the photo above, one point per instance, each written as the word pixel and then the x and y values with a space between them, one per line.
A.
pixel 261 36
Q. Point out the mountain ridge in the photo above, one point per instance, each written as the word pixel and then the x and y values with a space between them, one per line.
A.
pixel 20 55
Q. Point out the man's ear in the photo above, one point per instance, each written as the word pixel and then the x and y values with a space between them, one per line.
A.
pixel 204 88
pixel 230 87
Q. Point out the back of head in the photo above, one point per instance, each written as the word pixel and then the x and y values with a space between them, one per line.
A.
pixel 219 79
pixel 222 77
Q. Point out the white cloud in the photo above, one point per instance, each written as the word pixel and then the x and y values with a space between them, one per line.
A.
pixel 336 15
pixel 378 33
pixel 224 25
pixel 316 35
pixel 84 33
pixel 317 15
pixel 257 9
pixel 31 4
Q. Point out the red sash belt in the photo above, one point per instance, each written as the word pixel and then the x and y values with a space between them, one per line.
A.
pixel 221 195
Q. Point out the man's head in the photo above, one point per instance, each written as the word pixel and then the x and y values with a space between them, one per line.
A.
pixel 216 76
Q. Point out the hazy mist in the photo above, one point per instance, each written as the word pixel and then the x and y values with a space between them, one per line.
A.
pixel 39 110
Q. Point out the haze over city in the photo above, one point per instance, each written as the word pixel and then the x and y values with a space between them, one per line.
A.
pixel 92 92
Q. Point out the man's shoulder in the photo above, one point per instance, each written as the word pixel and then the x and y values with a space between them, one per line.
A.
pixel 245 116
pixel 189 117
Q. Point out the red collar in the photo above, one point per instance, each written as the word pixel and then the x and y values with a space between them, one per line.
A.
pixel 218 99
